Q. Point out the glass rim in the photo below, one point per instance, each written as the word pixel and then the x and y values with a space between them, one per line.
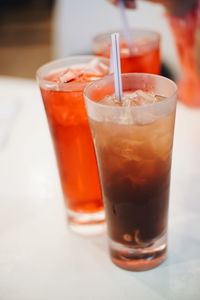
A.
pixel 101 105
pixel 40 78
pixel 103 36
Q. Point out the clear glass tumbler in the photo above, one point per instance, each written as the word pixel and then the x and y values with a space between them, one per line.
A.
pixel 143 55
pixel 65 109
pixel 133 147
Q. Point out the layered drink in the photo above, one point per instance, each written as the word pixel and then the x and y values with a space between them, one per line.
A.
pixel 133 140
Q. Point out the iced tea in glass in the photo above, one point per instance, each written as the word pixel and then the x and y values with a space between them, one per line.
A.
pixel 61 84
pixel 133 140
pixel 143 55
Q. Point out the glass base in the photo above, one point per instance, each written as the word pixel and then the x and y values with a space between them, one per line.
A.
pixel 86 224
pixel 139 259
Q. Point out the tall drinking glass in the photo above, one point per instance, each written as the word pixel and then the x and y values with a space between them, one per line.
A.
pixel 143 56
pixel 186 31
pixel 62 83
pixel 133 147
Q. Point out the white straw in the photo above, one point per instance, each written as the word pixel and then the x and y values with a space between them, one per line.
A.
pixel 126 27
pixel 116 65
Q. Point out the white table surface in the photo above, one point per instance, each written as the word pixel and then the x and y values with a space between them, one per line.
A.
pixel 41 259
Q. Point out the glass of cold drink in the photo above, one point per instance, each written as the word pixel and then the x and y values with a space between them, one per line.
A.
pixel 142 55
pixel 133 141
pixel 186 32
pixel 61 84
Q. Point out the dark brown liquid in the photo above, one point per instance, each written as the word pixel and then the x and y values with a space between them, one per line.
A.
pixel 136 214
pixel 134 163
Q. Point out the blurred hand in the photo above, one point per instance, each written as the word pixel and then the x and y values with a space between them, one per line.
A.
pixel 128 3
pixel 175 7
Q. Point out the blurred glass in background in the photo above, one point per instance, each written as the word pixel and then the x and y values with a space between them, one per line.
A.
pixel 35 32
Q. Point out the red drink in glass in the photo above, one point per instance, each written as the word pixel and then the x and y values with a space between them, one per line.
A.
pixel 143 56
pixel 186 32
pixel 62 83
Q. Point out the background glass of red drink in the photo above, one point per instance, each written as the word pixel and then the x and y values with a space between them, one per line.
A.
pixel 143 56
pixel 186 31
pixel 68 123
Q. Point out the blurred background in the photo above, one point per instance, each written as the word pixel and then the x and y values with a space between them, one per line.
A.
pixel 25 36
pixel 33 32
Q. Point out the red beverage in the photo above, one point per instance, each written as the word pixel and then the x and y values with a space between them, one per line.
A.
pixel 62 93
pixel 143 56
pixel 186 32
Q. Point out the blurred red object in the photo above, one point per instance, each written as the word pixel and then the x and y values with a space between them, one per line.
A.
pixel 186 32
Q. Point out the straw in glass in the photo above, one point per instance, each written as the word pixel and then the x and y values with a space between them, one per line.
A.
pixel 126 27
pixel 116 66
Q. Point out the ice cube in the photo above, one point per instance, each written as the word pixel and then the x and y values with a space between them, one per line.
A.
pixel 84 72
pixel 128 99
pixel 92 68
pixel 103 67
pixel 95 68
pixel 136 98
pixel 143 97
pixel 159 98
pixel 68 76
pixel 71 73
pixel 110 101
